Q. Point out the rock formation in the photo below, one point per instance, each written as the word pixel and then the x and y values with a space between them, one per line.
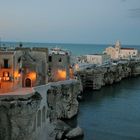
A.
pixel 62 100
pixel 62 104
pixel 17 116
pixel 97 77
pixel 22 116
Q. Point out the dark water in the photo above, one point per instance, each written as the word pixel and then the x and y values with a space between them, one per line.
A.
pixel 113 113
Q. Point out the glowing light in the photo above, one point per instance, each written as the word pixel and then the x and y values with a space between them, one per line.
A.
pixel 32 75
pixel 7 78
pixel 5 74
pixel 16 74
pixel 61 74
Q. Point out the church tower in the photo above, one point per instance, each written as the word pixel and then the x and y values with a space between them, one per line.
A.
pixel 118 46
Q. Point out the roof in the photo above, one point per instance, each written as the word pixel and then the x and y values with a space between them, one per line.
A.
pixel 128 49
pixel 7 52
pixel 97 54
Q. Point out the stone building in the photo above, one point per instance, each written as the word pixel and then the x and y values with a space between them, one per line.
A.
pixel 117 52
pixel 23 67
pixel 98 58
pixel 8 78
pixel 59 65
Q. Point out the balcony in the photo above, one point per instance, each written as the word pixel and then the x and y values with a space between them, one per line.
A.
pixel 5 68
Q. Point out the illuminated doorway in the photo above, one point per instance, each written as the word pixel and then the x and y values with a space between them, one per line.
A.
pixel 28 82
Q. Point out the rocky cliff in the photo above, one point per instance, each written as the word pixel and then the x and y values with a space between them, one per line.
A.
pixel 96 77
pixel 17 116
pixel 62 100
pixel 26 117
pixel 62 104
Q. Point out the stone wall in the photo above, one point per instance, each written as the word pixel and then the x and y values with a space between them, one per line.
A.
pixel 34 60
pixel 59 62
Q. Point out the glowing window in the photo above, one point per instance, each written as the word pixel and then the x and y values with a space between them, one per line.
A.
pixel 6 76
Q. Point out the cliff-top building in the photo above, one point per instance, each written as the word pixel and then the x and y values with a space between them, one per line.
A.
pixel 59 65
pixel 117 52
pixel 22 67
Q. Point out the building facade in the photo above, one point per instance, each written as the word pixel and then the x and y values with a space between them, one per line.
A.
pixel 23 67
pixel 117 52
pixel 59 65
pixel 98 59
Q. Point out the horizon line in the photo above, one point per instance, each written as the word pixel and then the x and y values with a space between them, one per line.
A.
pixel 72 43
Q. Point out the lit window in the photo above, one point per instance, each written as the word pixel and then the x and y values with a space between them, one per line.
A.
pixel 6 76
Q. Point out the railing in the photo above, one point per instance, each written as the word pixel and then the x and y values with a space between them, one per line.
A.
pixel 2 67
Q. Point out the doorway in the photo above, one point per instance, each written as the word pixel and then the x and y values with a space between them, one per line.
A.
pixel 28 82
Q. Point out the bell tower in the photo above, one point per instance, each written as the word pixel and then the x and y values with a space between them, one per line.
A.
pixel 118 46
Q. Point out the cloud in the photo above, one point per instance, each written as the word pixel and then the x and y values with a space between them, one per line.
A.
pixel 134 13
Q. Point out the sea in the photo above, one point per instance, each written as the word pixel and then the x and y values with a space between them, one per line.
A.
pixel 75 49
pixel 112 113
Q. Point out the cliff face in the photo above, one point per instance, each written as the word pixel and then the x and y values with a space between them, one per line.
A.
pixel 24 117
pixel 62 100
pixel 17 116
pixel 97 77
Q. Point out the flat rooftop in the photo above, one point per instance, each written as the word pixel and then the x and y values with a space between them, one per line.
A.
pixel 21 92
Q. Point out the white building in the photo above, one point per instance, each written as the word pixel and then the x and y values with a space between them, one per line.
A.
pixel 117 52
pixel 98 58
pixel 128 53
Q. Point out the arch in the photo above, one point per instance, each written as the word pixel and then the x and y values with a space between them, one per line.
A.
pixel 28 82
pixel 43 114
pixel 39 118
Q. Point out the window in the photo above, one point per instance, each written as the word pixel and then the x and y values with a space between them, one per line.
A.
pixel 5 63
pixel 60 60
pixel 6 76
pixel 19 59
pixel 50 58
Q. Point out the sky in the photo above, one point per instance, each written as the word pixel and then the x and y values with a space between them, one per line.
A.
pixel 70 21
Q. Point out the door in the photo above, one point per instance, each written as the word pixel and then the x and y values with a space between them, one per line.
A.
pixel 28 82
